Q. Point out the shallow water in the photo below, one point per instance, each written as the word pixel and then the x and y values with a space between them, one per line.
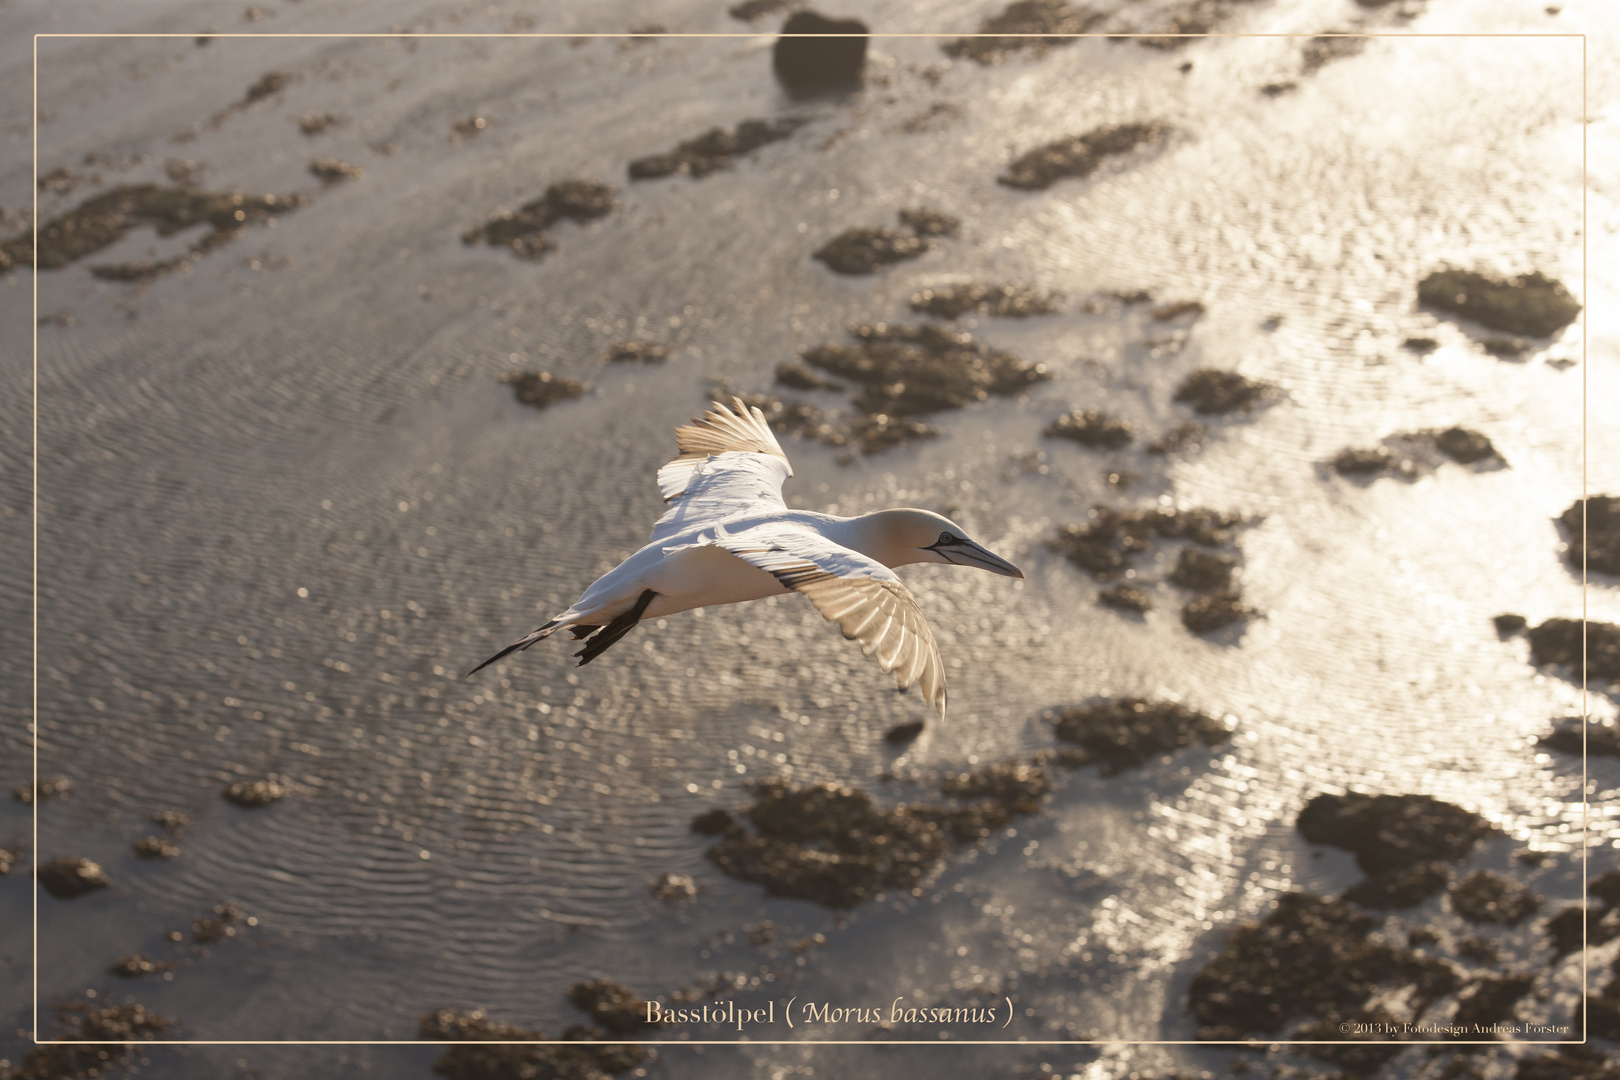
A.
pixel 284 504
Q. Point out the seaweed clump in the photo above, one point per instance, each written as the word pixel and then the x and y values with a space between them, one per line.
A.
pixel 1403 843
pixel 104 219
pixel 1211 392
pixel 1008 301
pixel 1531 304
pixel 486 1050
pixel 715 149
pixel 1597 546
pixel 1078 156
pixel 252 794
pixel 1487 897
pixel 1122 733
pixel 66 878
pixel 914 370
pixel 1093 428
pixel 538 389
pixel 1309 959
pixel 523 230
pixel 1045 17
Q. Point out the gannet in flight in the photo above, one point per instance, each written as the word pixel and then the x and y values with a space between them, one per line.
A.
pixel 728 537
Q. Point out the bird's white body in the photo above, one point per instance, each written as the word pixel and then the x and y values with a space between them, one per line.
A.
pixel 728 537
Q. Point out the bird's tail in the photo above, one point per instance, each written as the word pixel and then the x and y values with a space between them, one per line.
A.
pixel 522 643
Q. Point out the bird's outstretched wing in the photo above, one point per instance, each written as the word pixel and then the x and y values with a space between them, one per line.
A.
pixel 729 463
pixel 864 597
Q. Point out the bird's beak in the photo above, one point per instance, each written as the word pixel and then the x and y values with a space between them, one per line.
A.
pixel 967 553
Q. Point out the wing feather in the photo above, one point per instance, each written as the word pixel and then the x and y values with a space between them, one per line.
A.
pixel 864 597
pixel 729 463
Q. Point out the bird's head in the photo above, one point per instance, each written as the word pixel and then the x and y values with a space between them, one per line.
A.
pixel 914 536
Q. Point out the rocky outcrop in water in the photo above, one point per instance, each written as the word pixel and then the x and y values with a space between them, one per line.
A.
pixel 1531 304
pixel 806 61
pixel 1078 156
pixel 1122 733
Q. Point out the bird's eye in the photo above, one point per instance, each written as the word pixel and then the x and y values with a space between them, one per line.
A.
pixel 945 538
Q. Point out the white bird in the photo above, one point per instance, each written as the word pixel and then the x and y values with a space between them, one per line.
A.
pixel 728 537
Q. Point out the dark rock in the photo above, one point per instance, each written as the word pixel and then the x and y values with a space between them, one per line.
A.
pixel 523 230
pixel 116 1027
pixel 331 170
pixel 1421 935
pixel 1105 546
pixel 492 1050
pixel 1311 957
pixel 222 924
pixel 1478 949
pixel 1012 301
pixel 750 10
pixel 1122 733
pixel 715 149
pixel 1212 611
pixel 1569 1063
pixel 926 222
pixel 1599 549
pixel 1093 428
pixel 1323 49
pixel 1216 393
pixel 1278 89
pixel 156 847
pixel 611 1005
pixel 1125 598
pixel 271 82
pixel 1601 923
pixel 714 822
pixel 913 370
pixel 800 377
pixel 807 65
pixel 540 389
pixel 50 787
pixel 104 219
pixel 829 845
pixel 1420 345
pixel 1605 888
pixel 139 270
pixel 316 123
pixel 251 794
pixel 903 733
pixel 1391 832
pixel 1359 1054
pixel 136 965
pixel 674 888
pixel 1044 17
pixel 1364 461
pixel 1079 156
pixel 1184 436
pixel 1484 896
pixel 69 877
pixel 1508 624
pixel 1463 446
pixel 1602 1017
pixel 1558 641
pixel 864 250
pixel 636 352
pixel 1510 348
pixel 1178 309
pixel 1401 888
pixel 1203 571
pixel 1491 1000
pixel 1530 304
pixel 1020 788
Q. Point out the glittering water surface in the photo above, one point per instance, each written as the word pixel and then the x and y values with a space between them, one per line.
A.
pixel 284 504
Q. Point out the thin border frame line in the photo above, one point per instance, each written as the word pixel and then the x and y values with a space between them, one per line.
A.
pixel 1263 1044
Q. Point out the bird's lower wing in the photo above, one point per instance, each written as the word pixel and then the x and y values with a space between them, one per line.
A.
pixel 730 463
pixel 864 597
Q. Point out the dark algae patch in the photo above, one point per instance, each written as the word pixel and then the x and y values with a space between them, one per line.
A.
pixel 828 844
pixel 1530 304
pixel 523 230
pixel 1488 897
pixel 636 352
pixel 1409 454
pixel 928 222
pixel 1122 733
pixel 865 249
pixel 66 878
pixel 914 370
pixel 714 150
pixel 1105 545
pixel 1024 17
pixel 617 1009
pixel 1310 959
pixel 1078 156
pixel 1599 548
pixel 1323 49
pixel 251 794
pixel 1404 887
pixel 816 55
pixel 1002 301
pixel 1392 832
pixel 1093 428
pixel 1125 598
pixel 1558 641
pixel 1216 393
pixel 104 219
pixel 478 1052
pixel 1602 740
pixel 799 377
pixel 331 170
pixel 1464 446
pixel 117 1028
pixel 1491 1000
pixel 538 389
